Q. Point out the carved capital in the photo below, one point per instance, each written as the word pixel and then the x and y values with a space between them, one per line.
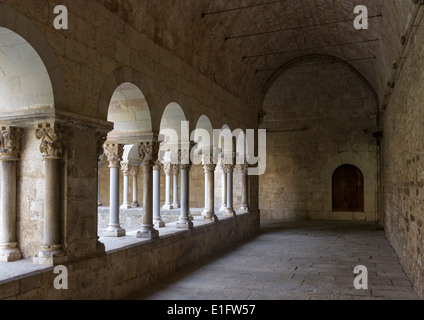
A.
pixel 167 168
pixel 158 165
pixel 125 168
pixel 186 167
pixel 10 142
pixel 148 152
pixel 243 167
pixel 175 169
pixel 113 152
pixel 228 168
pixel 100 141
pixel 51 137
pixel 207 161
pixel 134 170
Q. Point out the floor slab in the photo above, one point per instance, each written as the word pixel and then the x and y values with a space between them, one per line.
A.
pixel 299 260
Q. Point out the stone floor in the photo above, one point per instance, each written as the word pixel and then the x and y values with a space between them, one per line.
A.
pixel 305 260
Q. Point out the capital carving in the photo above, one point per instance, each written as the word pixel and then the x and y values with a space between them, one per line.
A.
pixel 51 140
pixel 228 168
pixel 125 168
pixel 186 167
pixel 158 165
pixel 134 170
pixel 10 142
pixel 175 169
pixel 207 161
pixel 243 167
pixel 148 152
pixel 100 140
pixel 167 168
pixel 113 152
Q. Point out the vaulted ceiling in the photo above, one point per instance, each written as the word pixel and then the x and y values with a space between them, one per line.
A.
pixel 241 44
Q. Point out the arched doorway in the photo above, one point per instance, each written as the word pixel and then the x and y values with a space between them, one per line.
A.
pixel 348 189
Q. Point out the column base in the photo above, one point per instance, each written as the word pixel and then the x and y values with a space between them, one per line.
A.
pixel 99 204
pixel 158 223
pixel 176 206
pixel 210 217
pixel 168 207
pixel 223 208
pixel 135 205
pixel 229 212
pixel 244 209
pixel 147 232
pixel 126 206
pixel 9 252
pixel 184 224
pixel 50 255
pixel 114 231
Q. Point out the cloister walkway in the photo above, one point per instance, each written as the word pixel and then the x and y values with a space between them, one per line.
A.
pixel 299 260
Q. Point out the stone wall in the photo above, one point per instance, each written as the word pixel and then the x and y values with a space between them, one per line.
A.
pixel 403 163
pixel 120 272
pixel 319 116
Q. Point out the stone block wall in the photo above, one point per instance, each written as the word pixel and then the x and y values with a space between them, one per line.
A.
pixel 319 116
pixel 403 164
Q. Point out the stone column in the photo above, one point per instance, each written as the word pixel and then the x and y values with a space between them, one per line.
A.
pixel 244 187
pixel 134 170
pixel 175 173
pixel 10 143
pixel 100 140
pixel 52 149
pixel 149 154
pixel 99 204
pixel 205 209
pixel 125 172
pixel 157 220
pixel 223 188
pixel 229 169
pixel 114 154
pixel 167 168
pixel 209 167
pixel 184 221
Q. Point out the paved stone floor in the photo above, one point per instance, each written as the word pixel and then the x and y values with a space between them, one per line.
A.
pixel 303 260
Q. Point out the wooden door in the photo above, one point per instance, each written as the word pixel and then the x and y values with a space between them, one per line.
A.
pixel 348 189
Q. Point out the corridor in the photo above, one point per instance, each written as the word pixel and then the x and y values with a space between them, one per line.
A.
pixel 302 260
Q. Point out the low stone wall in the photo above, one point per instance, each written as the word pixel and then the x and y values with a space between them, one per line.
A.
pixel 131 264
pixel 132 218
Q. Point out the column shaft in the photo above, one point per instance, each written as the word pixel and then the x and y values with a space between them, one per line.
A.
pixel 184 220
pixel 8 245
pixel 114 229
pixel 147 228
pixel 230 211
pixel 135 200
pixel 245 191
pixel 223 192
pixel 175 203
pixel 168 205
pixel 157 220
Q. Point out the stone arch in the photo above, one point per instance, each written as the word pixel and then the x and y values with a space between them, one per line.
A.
pixel 114 80
pixel 320 58
pixel 171 97
pixel 130 113
pixel 203 111
pixel 22 27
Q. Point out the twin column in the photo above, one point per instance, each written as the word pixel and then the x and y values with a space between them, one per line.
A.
pixel 10 141
pixel 52 148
